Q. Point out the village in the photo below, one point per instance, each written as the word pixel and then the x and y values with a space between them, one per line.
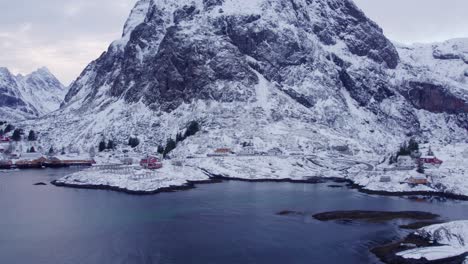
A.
pixel 414 167
pixel 411 168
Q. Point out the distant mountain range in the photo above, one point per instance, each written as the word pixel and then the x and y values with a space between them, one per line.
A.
pixel 30 96
pixel 298 75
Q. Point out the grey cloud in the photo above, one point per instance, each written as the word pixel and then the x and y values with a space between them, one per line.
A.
pixel 62 35
pixel 410 21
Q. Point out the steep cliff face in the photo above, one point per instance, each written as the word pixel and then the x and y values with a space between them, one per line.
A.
pixel 29 96
pixel 177 51
pixel 435 98
pixel 432 78
pixel 263 70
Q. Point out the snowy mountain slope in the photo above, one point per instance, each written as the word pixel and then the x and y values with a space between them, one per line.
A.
pixel 42 89
pixel 12 105
pixel 300 75
pixel 443 62
pixel 33 95
pixel 433 77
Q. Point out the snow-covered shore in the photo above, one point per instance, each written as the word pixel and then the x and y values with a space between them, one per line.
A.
pixel 448 180
pixel 131 180
pixel 451 240
pixel 136 180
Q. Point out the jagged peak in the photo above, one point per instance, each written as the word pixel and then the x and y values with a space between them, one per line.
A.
pixel 43 71
pixel 137 16
pixel 5 71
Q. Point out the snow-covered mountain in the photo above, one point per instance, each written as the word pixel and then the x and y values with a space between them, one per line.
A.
pixel 307 75
pixel 30 96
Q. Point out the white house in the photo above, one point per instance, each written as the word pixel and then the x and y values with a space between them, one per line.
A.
pixel 247 151
pixel 406 161
pixel 275 152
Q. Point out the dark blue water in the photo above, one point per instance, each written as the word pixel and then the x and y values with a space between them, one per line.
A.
pixel 230 222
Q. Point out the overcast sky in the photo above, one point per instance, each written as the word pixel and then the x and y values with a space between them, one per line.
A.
pixel 65 35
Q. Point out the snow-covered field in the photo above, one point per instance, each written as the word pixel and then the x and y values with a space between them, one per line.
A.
pixel 452 238
pixel 135 180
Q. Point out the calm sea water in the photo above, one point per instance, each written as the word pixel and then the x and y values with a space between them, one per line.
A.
pixel 229 222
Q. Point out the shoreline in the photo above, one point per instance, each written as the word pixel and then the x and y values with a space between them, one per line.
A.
pixel 188 186
pixel 218 179
pixel 387 252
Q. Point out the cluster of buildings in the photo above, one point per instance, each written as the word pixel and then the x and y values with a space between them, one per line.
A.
pixel 412 162
pixel 246 151
pixel 38 160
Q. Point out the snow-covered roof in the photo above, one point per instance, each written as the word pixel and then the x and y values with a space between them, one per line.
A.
pixel 31 155
pixel 419 177
pixel 404 158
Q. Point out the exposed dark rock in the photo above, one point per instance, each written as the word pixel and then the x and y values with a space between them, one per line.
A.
pixel 291 213
pixel 210 4
pixel 388 253
pixel 374 216
pixel 40 184
pixel 434 98
pixel 362 93
pixel 362 36
pixel 418 225
pixel 437 54
pixel 303 100
pixel 185 13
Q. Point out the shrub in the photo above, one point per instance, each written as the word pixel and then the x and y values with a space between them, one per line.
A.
pixel 16 135
pixel 133 142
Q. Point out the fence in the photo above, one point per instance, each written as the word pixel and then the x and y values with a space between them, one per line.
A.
pixel 124 170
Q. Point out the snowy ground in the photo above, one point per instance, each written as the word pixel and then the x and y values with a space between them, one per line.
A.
pixel 449 178
pixel 132 178
pixel 452 238
pixel 135 180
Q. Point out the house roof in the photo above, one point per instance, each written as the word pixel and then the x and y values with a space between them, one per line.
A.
pixel 31 155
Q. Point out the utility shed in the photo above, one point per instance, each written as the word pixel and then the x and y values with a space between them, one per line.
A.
pixel 419 179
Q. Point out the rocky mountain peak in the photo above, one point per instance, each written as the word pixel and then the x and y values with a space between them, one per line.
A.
pixel 173 52
pixel 29 96
pixel 263 70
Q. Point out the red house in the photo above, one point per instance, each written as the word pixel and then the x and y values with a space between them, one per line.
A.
pixel 151 163
pixel 4 139
pixel 431 160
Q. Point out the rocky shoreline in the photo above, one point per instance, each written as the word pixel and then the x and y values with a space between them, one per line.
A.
pixel 388 252
pixel 188 186
pixel 391 252
pixel 312 180
pixel 350 184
